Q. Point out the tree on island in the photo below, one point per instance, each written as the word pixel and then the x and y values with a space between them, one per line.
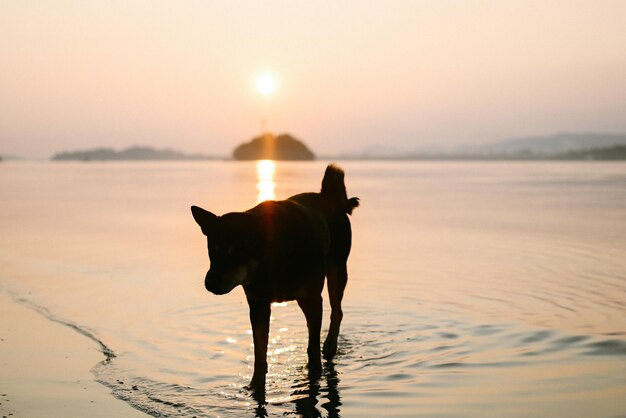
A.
pixel 270 147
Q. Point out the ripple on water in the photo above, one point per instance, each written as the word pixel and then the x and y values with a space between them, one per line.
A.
pixel 377 363
pixel 606 348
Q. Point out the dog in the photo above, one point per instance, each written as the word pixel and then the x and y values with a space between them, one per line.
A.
pixel 282 251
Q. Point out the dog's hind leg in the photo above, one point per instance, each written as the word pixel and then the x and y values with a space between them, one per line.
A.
pixel 312 308
pixel 260 312
pixel 337 279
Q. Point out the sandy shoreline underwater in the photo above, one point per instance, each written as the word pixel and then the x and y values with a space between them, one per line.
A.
pixel 45 369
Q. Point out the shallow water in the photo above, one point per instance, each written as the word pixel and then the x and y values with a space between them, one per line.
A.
pixel 476 289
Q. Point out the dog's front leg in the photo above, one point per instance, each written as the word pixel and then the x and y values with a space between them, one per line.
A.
pixel 260 320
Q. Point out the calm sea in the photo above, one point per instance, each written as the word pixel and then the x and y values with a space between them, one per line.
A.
pixel 476 289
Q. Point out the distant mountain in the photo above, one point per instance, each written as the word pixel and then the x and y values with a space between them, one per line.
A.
pixel 553 144
pixel 270 147
pixel 615 153
pixel 565 146
pixel 132 153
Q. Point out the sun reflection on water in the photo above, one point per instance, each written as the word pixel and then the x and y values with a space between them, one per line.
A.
pixel 289 377
pixel 266 186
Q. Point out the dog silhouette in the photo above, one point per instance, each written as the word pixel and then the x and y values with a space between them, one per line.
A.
pixel 281 251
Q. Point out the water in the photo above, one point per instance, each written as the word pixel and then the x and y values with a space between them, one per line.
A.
pixel 476 289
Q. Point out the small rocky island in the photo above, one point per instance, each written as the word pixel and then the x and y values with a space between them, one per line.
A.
pixel 129 154
pixel 270 147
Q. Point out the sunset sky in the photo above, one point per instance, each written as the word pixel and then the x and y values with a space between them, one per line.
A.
pixel 350 76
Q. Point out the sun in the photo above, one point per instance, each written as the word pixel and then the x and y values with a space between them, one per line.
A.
pixel 266 84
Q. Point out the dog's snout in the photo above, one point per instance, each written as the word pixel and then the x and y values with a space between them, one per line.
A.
pixel 214 285
pixel 210 284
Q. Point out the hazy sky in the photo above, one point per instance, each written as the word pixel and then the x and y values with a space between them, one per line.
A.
pixel 351 75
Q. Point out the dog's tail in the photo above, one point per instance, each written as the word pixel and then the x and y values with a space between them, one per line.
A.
pixel 334 189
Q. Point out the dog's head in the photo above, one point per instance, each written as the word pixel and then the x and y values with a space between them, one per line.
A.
pixel 234 247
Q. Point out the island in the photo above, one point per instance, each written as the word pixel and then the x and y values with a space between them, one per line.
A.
pixel 128 154
pixel 270 147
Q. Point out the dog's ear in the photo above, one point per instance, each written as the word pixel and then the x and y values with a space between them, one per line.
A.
pixel 204 218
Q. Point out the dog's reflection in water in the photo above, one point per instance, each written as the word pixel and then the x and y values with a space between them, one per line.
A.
pixel 309 393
